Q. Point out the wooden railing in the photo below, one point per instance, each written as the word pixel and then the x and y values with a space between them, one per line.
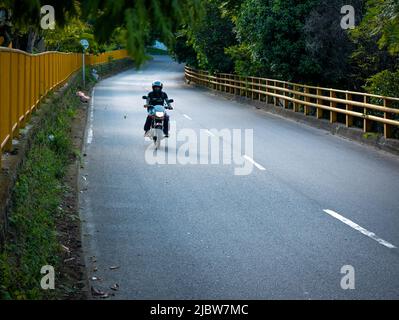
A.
pixel 25 79
pixel 311 100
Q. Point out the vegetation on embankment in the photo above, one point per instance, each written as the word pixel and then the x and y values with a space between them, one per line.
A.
pixel 33 240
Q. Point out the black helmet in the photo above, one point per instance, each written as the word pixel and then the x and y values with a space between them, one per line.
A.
pixel 156 84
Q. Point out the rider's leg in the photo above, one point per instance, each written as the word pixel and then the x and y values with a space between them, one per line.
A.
pixel 166 125
pixel 147 125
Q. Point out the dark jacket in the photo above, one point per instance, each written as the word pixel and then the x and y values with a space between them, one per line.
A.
pixel 156 98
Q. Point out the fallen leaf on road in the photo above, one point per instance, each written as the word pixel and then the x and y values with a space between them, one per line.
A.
pixel 114 267
pixel 66 249
pixel 115 287
pixel 97 292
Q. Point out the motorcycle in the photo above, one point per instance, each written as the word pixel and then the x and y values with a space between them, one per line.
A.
pixel 157 114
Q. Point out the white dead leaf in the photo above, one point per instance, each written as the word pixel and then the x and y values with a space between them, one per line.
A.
pixel 114 267
pixel 65 249
pixel 115 287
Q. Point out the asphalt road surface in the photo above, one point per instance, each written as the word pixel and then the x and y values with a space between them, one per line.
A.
pixel 312 204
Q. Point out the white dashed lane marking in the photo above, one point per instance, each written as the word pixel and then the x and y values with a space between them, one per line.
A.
pixel 254 163
pixel 362 230
pixel 210 133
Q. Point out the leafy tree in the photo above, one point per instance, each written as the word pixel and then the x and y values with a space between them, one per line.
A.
pixel 328 45
pixel 273 31
pixel 210 36
pixel 230 8
pixel 382 19
pixel 26 31
pixel 385 83
pixel 376 57
pixel 138 18
pixel 67 38
pixel 244 64
pixel 183 51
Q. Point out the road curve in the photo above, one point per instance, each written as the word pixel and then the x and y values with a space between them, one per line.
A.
pixel 312 204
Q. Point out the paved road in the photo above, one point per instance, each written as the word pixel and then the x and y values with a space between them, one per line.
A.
pixel 199 231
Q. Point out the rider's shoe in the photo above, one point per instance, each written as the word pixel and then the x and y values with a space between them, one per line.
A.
pixel 166 135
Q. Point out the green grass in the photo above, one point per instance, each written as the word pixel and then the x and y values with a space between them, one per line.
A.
pixel 370 135
pixel 35 200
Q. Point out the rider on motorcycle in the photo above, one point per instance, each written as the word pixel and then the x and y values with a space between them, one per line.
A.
pixel 157 97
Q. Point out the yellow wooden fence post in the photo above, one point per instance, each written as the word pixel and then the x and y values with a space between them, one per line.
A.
pixel 348 118
pixel 296 104
pixel 319 111
pixel 285 95
pixel 387 127
pixel 333 104
pixel 306 108
pixel 366 122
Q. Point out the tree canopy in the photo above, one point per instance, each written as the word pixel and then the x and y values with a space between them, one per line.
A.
pixel 303 41
pixel 291 40
pixel 135 22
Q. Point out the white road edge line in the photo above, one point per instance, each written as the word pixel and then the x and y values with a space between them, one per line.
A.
pixel 254 163
pixel 90 132
pixel 355 226
pixel 186 116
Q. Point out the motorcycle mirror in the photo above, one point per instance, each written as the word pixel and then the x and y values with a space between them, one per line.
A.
pixel 145 97
pixel 171 100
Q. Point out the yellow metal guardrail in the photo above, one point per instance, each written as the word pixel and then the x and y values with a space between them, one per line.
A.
pixel 368 107
pixel 25 79
pixel 106 57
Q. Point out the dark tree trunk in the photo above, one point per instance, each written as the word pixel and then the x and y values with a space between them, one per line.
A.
pixel 31 40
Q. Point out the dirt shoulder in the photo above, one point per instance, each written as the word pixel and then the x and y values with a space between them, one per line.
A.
pixel 74 271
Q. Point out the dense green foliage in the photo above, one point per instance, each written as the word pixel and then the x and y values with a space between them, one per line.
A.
pixel 301 41
pixel 286 39
pixel 209 37
pixel 273 31
pixel 108 23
